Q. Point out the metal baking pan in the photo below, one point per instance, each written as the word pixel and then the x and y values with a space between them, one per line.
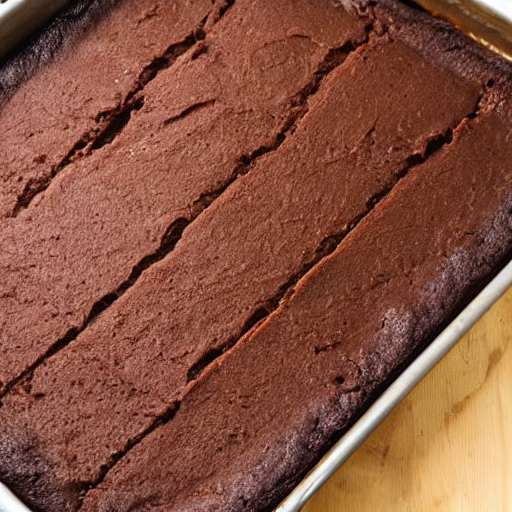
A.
pixel 18 18
pixel 487 21
pixel 397 391
pixel 490 22
pixel 379 410
pixel 9 502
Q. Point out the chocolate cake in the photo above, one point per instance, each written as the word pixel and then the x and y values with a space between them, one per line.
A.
pixel 224 227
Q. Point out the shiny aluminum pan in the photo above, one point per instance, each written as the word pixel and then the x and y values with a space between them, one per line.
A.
pixel 379 410
pixel 9 502
pixel 487 21
pixel 19 18
pixel 396 392
pixel 490 23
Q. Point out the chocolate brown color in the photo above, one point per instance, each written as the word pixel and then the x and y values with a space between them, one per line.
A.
pixel 200 299
pixel 59 111
pixel 128 201
pixel 316 360
pixel 219 288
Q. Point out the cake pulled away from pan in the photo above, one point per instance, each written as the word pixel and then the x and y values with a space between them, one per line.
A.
pixel 225 226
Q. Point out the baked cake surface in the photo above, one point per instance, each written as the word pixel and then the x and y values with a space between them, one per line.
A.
pixel 225 226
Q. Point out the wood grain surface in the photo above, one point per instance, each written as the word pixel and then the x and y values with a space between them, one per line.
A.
pixel 448 446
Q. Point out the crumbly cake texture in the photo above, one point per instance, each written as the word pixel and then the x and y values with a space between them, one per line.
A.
pixel 158 173
pixel 67 106
pixel 225 226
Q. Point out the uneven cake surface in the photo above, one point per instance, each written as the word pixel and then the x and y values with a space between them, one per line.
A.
pixel 129 200
pixel 182 301
pixel 325 353
pixel 192 303
pixel 64 105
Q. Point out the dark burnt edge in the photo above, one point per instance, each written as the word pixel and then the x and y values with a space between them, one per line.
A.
pixel 285 484
pixel 329 244
pixel 472 291
pixel 369 397
pixel 171 237
pixel 110 123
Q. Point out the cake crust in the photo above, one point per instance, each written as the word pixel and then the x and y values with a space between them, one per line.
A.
pixel 182 305
pixel 97 54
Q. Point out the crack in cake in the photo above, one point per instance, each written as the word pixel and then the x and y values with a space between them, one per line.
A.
pixel 225 226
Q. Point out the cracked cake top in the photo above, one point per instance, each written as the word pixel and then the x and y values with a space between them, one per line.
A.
pixel 224 226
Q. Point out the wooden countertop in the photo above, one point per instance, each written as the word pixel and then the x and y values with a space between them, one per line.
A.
pixel 448 446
